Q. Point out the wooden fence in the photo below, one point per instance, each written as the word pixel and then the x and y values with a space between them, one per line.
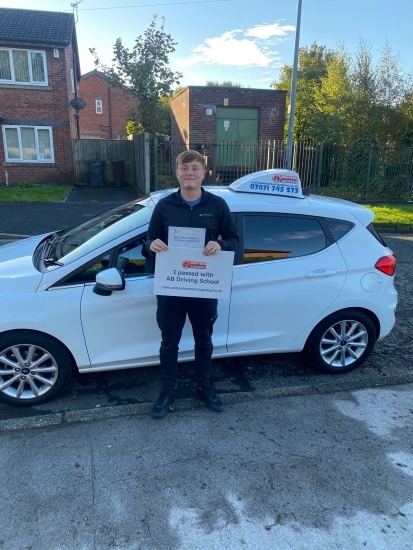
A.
pixel 134 154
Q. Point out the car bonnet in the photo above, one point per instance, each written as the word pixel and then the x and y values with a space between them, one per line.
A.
pixel 17 272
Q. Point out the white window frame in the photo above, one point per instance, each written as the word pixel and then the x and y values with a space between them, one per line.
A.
pixel 99 106
pixel 31 161
pixel 72 79
pixel 31 82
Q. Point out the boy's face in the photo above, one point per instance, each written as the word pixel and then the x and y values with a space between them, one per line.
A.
pixel 190 175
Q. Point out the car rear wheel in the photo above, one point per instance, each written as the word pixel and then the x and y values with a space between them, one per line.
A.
pixel 34 368
pixel 342 342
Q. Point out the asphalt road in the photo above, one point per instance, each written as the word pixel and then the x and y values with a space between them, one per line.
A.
pixel 132 391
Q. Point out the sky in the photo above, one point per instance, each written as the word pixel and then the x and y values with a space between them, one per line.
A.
pixel 246 41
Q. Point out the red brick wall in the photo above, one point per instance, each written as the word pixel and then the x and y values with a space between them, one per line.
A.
pixel 41 106
pixel 189 116
pixel 180 118
pixel 116 104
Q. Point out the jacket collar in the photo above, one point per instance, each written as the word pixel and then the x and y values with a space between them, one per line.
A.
pixel 178 197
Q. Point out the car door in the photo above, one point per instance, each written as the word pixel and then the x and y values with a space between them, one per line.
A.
pixel 121 330
pixel 291 271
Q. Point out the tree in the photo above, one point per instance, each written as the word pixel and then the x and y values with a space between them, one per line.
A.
pixel 145 72
pixel 312 66
pixel 332 116
pixel 394 88
pixel 341 99
pixel 223 84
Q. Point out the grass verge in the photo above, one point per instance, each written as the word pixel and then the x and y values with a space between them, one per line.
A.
pixel 34 192
pixel 392 215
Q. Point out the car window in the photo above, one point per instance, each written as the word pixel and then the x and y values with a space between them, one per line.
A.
pixel 82 239
pixel 88 273
pixel 338 228
pixel 274 237
pixel 375 234
pixel 132 259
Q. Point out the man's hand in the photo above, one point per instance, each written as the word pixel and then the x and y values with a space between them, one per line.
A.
pixel 158 246
pixel 211 249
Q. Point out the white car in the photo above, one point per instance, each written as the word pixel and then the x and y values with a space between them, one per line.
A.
pixel 310 273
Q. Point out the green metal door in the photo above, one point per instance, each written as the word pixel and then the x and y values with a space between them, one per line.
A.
pixel 236 136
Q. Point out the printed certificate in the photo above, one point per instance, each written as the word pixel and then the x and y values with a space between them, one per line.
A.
pixel 191 237
pixel 182 271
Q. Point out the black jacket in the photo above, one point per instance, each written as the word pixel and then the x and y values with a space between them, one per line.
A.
pixel 212 213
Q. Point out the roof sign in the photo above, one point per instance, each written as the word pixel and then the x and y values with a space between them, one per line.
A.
pixel 270 182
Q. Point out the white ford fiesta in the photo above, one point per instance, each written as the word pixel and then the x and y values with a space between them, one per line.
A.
pixel 310 273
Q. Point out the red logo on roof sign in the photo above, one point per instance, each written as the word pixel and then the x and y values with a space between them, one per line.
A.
pixel 187 264
pixel 281 178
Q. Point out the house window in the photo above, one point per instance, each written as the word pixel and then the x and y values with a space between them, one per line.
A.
pixel 23 67
pixel 99 108
pixel 28 143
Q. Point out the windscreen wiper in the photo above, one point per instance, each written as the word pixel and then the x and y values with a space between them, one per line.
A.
pixel 50 261
pixel 49 245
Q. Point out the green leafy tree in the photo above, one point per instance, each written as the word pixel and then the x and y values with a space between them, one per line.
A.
pixel 145 72
pixel 312 66
pixel 363 76
pixel 393 89
pixel 223 84
pixel 332 116
pixel 341 99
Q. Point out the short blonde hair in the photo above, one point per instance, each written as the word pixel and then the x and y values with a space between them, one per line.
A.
pixel 190 156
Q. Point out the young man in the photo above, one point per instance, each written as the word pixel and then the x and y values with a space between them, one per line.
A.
pixel 190 206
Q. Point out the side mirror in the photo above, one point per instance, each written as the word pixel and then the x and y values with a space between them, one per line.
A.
pixel 109 280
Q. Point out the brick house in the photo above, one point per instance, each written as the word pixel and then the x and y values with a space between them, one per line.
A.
pixel 230 126
pixel 39 68
pixel 107 107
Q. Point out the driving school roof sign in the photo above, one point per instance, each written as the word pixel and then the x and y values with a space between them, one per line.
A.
pixel 270 182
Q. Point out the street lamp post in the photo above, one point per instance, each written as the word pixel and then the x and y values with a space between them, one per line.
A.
pixel 289 148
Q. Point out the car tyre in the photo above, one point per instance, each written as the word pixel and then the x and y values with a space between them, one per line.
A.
pixel 341 342
pixel 34 368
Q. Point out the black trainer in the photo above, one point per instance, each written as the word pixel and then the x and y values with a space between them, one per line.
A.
pixel 163 404
pixel 212 401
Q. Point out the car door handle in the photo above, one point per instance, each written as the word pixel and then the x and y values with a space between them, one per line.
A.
pixel 320 273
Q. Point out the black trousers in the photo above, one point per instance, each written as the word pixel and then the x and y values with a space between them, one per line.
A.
pixel 171 315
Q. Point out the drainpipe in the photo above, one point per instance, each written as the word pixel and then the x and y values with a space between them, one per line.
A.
pixel 110 113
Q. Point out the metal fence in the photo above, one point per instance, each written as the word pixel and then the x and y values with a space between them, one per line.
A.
pixel 364 173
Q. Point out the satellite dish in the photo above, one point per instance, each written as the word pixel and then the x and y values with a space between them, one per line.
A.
pixel 78 103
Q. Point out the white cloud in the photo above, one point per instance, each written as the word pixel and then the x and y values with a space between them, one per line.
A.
pixel 267 31
pixel 228 50
pixel 264 79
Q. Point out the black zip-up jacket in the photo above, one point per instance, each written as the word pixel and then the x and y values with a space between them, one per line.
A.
pixel 212 213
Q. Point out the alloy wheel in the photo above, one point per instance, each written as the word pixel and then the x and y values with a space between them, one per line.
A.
pixel 27 371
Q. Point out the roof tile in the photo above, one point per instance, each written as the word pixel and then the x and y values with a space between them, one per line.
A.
pixel 33 26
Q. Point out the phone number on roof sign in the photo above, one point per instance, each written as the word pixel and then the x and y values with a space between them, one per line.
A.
pixel 274 188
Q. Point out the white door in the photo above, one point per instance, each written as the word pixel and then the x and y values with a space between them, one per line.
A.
pixel 290 275
pixel 121 329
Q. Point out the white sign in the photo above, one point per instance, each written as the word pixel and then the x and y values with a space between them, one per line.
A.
pixel 183 271
pixel 191 237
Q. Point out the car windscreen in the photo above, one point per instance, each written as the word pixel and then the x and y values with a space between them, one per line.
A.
pixel 78 241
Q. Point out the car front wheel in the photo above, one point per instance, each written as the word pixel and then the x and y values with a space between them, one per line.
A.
pixel 34 368
pixel 342 342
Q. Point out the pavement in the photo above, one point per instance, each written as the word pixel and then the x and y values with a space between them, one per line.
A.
pixel 309 472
